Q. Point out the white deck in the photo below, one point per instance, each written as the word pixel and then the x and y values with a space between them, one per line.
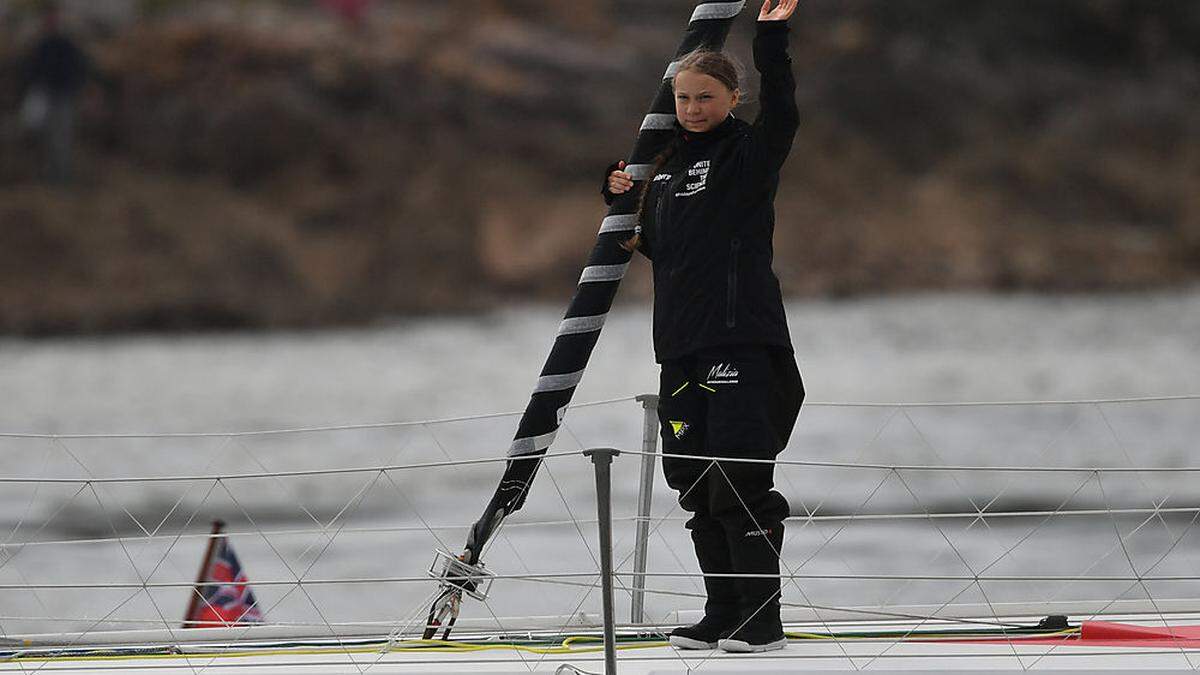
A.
pixel 874 655
pixel 661 662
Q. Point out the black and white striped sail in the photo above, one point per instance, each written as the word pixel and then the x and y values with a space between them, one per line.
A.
pixel 580 328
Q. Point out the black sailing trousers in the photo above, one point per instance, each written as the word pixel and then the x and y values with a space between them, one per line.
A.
pixel 730 401
pixel 735 402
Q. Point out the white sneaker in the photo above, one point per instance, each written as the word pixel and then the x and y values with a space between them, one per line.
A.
pixel 681 642
pixel 743 647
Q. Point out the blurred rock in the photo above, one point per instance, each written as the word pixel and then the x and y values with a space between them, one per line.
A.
pixel 267 164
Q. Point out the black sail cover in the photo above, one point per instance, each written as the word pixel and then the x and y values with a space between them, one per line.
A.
pixel 580 328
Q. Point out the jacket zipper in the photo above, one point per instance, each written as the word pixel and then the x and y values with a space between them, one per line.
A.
pixel 659 223
pixel 731 297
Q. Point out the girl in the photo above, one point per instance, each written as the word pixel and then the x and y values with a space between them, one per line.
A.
pixel 729 384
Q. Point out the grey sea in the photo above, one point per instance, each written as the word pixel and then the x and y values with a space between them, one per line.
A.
pixel 89 544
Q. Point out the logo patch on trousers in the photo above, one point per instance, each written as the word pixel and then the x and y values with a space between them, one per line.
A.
pixel 758 533
pixel 680 428
pixel 723 373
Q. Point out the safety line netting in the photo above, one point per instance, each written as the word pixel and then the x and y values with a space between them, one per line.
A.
pixel 898 511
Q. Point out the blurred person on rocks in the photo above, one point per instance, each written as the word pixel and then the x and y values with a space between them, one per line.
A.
pixel 54 74
pixel 352 12
pixel 729 386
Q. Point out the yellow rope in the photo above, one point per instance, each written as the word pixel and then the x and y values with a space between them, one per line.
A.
pixel 568 646
pixel 435 646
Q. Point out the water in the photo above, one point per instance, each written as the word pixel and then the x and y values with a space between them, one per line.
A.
pixel 956 347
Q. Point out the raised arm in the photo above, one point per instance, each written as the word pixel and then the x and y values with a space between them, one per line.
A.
pixel 778 116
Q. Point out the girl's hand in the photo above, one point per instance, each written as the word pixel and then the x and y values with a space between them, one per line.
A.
pixel 782 12
pixel 620 182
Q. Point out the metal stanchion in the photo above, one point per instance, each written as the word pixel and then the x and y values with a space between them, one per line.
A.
pixel 637 612
pixel 602 458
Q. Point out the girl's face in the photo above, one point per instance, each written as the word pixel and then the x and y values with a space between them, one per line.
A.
pixel 702 101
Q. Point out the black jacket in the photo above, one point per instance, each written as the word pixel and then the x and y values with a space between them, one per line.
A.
pixel 709 220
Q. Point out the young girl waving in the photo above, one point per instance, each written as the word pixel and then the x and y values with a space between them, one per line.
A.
pixel 729 384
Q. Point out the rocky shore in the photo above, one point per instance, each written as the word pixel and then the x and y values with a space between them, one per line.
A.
pixel 264 165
